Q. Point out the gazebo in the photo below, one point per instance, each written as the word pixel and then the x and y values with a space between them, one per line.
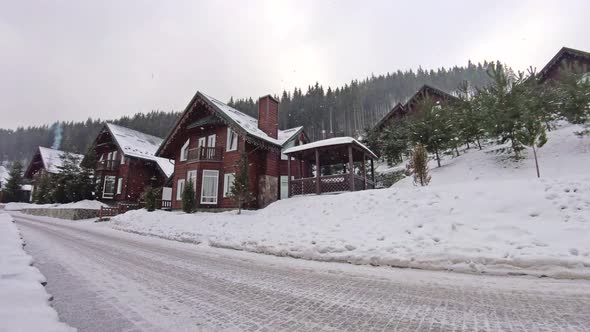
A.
pixel 339 164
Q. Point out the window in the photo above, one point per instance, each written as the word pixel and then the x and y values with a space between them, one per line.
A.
pixel 114 155
pixel 228 184
pixel 109 156
pixel 119 186
pixel 209 187
pixel 232 140
pixel 101 157
pixel 122 159
pixel 108 191
pixel 201 142
pixel 184 151
pixel 179 189
pixel 192 177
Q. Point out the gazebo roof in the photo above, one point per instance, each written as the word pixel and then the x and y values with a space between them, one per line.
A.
pixel 330 142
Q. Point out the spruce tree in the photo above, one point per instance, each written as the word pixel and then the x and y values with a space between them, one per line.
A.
pixel 189 203
pixel 395 142
pixel 241 188
pixel 14 183
pixel 150 196
pixel 42 194
pixel 430 126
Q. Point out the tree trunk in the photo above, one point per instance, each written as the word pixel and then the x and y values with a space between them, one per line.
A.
pixel 478 143
pixel 457 150
pixel 437 157
pixel 240 206
pixel 467 145
pixel 536 161
pixel 512 142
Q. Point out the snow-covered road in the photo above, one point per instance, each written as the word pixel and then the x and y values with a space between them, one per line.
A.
pixel 107 280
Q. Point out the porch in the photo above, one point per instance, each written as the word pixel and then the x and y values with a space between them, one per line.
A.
pixel 337 164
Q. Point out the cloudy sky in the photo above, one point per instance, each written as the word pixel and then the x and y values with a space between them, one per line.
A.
pixel 70 60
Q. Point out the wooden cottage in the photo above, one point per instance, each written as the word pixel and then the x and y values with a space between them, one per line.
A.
pixel 400 110
pixel 208 140
pixel 566 60
pixel 46 161
pixel 126 163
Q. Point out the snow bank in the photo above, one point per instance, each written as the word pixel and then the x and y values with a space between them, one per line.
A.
pixel 23 301
pixel 85 204
pixel 483 213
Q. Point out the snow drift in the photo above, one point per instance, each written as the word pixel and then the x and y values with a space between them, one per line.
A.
pixel 23 301
pixel 483 213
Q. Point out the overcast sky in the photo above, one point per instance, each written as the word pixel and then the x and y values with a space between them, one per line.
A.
pixel 70 60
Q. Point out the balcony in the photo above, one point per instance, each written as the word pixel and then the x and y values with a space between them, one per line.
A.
pixel 107 165
pixel 205 154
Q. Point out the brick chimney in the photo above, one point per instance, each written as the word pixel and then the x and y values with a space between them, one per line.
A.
pixel 268 115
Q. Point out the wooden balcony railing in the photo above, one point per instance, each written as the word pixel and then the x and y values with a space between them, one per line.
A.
pixel 205 154
pixel 108 165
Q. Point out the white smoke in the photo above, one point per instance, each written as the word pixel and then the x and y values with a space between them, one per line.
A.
pixel 57 136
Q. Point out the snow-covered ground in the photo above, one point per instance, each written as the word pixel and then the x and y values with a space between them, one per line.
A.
pixel 483 212
pixel 85 204
pixel 24 303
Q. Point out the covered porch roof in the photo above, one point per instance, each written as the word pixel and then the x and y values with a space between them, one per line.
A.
pixel 333 150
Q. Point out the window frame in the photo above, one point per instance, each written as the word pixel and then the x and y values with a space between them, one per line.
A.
pixel 226 188
pixel 179 189
pixel 104 187
pixel 230 139
pixel 208 174
pixel 119 186
pixel 191 175
pixel 184 150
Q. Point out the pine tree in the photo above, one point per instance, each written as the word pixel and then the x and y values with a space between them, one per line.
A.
pixel 42 194
pixel 150 196
pixel 430 126
pixel 189 204
pixel 240 191
pixel 418 165
pixel 573 92
pixel 395 142
pixel 14 183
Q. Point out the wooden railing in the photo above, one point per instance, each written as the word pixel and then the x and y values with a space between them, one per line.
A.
pixel 328 184
pixel 205 154
pixel 107 165
pixel 107 212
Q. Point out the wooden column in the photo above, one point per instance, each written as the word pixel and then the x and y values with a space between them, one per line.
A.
pixel 365 169
pixel 317 171
pixel 372 173
pixel 351 167
pixel 301 168
pixel 289 175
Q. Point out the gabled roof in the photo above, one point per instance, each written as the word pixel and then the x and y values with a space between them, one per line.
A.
pixel 329 142
pixel 136 144
pixel 404 108
pixel 52 159
pixel 559 56
pixel 238 120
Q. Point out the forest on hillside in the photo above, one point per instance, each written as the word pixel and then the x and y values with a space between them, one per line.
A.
pixel 346 110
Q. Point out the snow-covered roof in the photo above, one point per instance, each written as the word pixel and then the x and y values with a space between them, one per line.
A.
pixel 329 142
pixel 250 124
pixel 52 159
pixel 140 145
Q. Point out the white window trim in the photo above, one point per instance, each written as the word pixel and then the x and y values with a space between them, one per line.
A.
pixel 109 155
pixel 212 174
pixel 119 186
pixel 184 151
pixel 179 189
pixel 226 184
pixel 228 146
pixel 122 159
pixel 104 187
pixel 114 155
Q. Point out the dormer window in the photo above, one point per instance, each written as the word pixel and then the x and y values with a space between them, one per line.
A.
pixel 184 151
pixel 232 140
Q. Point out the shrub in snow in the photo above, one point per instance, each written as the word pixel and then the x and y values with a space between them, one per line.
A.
pixel 189 204
pixel 149 196
pixel 418 165
pixel 240 190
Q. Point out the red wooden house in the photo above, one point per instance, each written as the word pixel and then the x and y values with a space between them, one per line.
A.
pixel 209 139
pixel 400 110
pixel 567 59
pixel 126 164
pixel 48 161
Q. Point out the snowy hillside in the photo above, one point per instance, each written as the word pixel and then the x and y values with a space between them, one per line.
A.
pixel 483 212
